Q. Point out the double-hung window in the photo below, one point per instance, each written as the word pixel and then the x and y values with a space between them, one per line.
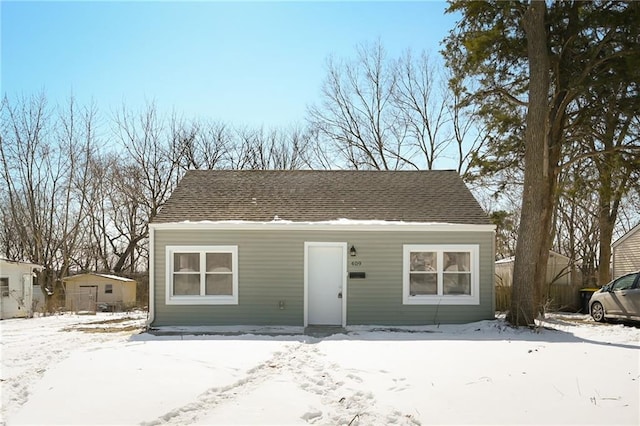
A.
pixel 202 275
pixel 440 274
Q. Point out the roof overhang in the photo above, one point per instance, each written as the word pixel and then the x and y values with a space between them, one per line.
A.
pixel 625 236
pixel 340 224
pixel 17 262
pixel 93 274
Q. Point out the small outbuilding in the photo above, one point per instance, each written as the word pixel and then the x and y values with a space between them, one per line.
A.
pixel 562 290
pixel 626 253
pixel 311 247
pixel 559 270
pixel 16 288
pixel 91 292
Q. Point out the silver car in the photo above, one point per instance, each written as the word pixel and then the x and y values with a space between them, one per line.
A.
pixel 618 299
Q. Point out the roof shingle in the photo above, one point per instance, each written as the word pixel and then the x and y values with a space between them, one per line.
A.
pixel 322 195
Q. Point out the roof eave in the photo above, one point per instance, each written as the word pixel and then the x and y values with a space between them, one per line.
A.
pixel 19 262
pixel 622 239
pixel 368 225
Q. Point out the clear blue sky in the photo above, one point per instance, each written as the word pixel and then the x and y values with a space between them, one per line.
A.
pixel 242 63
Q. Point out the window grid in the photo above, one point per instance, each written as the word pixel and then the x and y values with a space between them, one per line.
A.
pixel 455 269
pixel 204 286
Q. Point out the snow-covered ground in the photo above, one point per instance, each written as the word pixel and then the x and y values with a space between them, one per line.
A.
pixel 70 369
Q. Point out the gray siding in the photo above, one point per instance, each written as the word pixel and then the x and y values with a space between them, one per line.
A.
pixel 271 269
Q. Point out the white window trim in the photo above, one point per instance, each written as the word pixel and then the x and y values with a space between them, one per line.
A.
pixel 440 299
pixel 172 299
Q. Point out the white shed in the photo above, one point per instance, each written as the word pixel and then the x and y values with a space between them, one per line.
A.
pixel 626 253
pixel 562 291
pixel 558 270
pixel 16 288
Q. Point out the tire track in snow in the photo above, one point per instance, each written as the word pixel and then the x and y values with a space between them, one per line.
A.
pixel 342 402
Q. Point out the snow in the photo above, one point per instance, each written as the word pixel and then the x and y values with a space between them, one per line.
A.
pixel 103 369
pixel 114 277
pixel 337 222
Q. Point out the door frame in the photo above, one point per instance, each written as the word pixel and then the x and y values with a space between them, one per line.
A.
pixel 343 246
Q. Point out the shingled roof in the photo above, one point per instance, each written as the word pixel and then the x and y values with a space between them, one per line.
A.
pixel 317 196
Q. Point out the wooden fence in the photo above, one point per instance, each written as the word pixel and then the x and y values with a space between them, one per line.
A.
pixel 562 297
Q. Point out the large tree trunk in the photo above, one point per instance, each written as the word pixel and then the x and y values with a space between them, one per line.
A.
pixel 528 275
pixel 608 213
pixel 604 255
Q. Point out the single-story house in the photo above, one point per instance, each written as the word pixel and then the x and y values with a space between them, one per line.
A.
pixel 91 292
pixel 559 270
pixel 16 288
pixel 309 247
pixel 626 253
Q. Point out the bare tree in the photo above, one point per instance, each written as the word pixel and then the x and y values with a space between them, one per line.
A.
pixel 421 98
pixel 576 221
pixel 96 253
pixel 77 141
pixel 356 113
pixel 629 214
pixel 274 149
pixel 378 113
pixel 201 145
pixel 144 178
pixel 44 154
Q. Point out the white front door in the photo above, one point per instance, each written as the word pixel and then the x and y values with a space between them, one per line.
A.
pixel 325 283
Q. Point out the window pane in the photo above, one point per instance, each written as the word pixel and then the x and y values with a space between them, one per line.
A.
pixel 218 262
pixel 219 284
pixel 624 283
pixel 456 283
pixel 186 284
pixel 457 261
pixel 423 261
pixel 4 287
pixel 186 262
pixel 423 284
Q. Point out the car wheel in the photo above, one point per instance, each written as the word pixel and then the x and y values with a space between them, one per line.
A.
pixel 597 311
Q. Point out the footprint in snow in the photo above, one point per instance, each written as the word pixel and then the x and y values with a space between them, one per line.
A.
pixel 354 377
pixel 312 416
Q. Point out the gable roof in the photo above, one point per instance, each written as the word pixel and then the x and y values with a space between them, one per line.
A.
pixel 20 262
pixel 322 195
pixel 622 239
pixel 552 254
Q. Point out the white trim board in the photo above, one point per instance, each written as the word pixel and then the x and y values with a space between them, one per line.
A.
pixel 325 226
